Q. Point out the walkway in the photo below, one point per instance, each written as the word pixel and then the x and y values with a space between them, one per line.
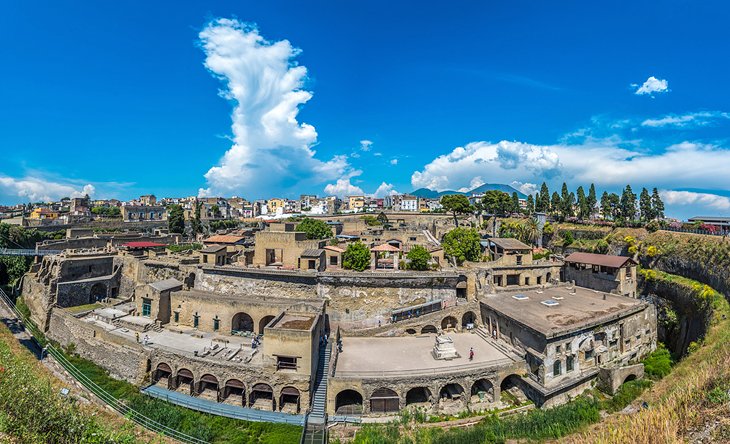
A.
pixel 216 408
pixel 27 252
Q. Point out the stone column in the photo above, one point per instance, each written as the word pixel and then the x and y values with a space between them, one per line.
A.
pixel 374 260
pixel 396 260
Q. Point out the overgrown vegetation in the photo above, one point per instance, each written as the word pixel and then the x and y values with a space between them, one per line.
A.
pixel 659 363
pixel 356 257
pixel 315 228
pixel 177 248
pixel 418 258
pixel 462 244
pixel 32 410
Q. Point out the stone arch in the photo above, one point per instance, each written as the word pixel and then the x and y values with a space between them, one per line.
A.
pixel 264 322
pixel 482 391
pixel 189 280
pixel 98 292
pixel 233 390
pixel 548 277
pixel 428 329
pixel 262 397
pixel 448 322
pixel 451 396
pixel 348 402
pixel 418 395
pixel 208 386
pixel 241 322
pixel 468 318
pixel 630 377
pixel 289 399
pixel 384 400
pixel 184 378
pixel 411 331
pixel 513 390
pixel 162 374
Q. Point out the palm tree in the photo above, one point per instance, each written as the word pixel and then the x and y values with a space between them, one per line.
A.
pixel 530 230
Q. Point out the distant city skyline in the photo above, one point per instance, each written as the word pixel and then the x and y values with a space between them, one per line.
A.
pixel 272 100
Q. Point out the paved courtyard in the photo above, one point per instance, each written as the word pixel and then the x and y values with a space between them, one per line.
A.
pixel 411 354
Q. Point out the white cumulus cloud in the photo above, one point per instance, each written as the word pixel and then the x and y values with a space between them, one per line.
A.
pixel 343 188
pixel 39 189
pixel 525 188
pixel 652 86
pixel 365 145
pixel 271 148
pixel 385 189
pixel 707 200
pixel 394 161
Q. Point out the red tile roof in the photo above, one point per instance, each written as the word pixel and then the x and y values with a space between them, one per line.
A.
pixel 223 239
pixel 142 244
pixel 604 260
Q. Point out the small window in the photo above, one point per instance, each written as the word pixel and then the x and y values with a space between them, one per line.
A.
pixel 216 324
pixel 527 281
pixel 589 354
pixel 177 316
pixel 557 370
pixel 519 260
pixel 412 239
pixel 286 363
pixel 569 363
pixel 568 346
pixel 312 264
pixel 333 260
pixel 557 349
pixel 146 307
pixel 205 258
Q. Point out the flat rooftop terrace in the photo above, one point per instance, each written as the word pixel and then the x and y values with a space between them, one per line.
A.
pixel 295 322
pixel 569 311
pixel 411 355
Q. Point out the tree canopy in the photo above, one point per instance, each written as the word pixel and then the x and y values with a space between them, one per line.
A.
pixel 456 204
pixel 176 219
pixel 418 258
pixel 315 228
pixel 497 202
pixel 462 244
pixel 356 257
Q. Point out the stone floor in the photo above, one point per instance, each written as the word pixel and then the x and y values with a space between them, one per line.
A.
pixel 407 354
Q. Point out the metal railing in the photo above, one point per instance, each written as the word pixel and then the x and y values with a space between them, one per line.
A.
pixel 90 385
pixel 422 371
pixel 27 252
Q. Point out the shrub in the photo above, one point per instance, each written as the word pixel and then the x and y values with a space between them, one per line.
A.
pixel 462 244
pixel 601 247
pixel 418 258
pixel 626 394
pixel 315 228
pixel 356 257
pixel 659 363
pixel 567 238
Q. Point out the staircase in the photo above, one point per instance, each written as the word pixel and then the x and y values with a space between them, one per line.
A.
pixel 315 427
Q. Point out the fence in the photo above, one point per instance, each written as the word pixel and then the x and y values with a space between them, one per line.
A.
pixel 90 385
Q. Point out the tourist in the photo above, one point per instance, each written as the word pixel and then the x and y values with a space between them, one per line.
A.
pixel 471 353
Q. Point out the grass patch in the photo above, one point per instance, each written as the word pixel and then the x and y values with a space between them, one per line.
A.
pixel 82 308
pixel 33 411
pixel 625 395
pixel 177 248
pixel 215 429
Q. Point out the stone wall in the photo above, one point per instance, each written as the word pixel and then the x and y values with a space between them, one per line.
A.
pixel 121 358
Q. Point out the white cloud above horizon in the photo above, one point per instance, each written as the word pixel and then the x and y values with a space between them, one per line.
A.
pixel 271 148
pixel 696 119
pixel 652 86
pixel 692 198
pixel 36 188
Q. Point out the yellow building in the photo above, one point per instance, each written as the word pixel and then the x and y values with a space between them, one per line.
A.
pixel 356 202
pixel 274 204
pixel 43 214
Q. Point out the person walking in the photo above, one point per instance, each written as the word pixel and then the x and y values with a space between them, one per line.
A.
pixel 471 353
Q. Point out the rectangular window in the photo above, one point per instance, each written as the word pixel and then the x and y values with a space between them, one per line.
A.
pixel 569 364
pixel 216 324
pixel 146 307
pixel 205 258
pixel 519 260
pixel 557 349
pixel 527 281
pixel 333 260
pixel 557 370
pixel 286 363
pixel 312 264
pixel 177 316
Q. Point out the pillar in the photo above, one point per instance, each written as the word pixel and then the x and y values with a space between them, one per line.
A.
pixel 396 261
pixel 374 260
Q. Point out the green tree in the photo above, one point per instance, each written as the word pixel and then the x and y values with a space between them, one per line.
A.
pixel 456 204
pixel 542 203
pixel 356 257
pixel 12 268
pixel 627 206
pixel 582 204
pixel 418 258
pixel 497 202
pixel 530 205
pixel 657 206
pixel 176 219
pixel 645 205
pixel 530 231
pixel 515 207
pixel 567 200
pixel 555 203
pixel 315 228
pixel 462 244
pixel 591 201
pixel 216 210
pixel 197 226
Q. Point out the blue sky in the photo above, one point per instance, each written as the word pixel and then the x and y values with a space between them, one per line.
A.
pixel 130 98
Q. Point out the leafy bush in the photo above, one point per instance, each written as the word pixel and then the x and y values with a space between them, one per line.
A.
pixel 356 257
pixel 315 228
pixel 418 258
pixel 183 247
pixel 601 247
pixel 567 238
pixel 659 363
pixel 462 244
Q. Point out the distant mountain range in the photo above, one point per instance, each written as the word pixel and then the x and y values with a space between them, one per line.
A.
pixel 431 194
